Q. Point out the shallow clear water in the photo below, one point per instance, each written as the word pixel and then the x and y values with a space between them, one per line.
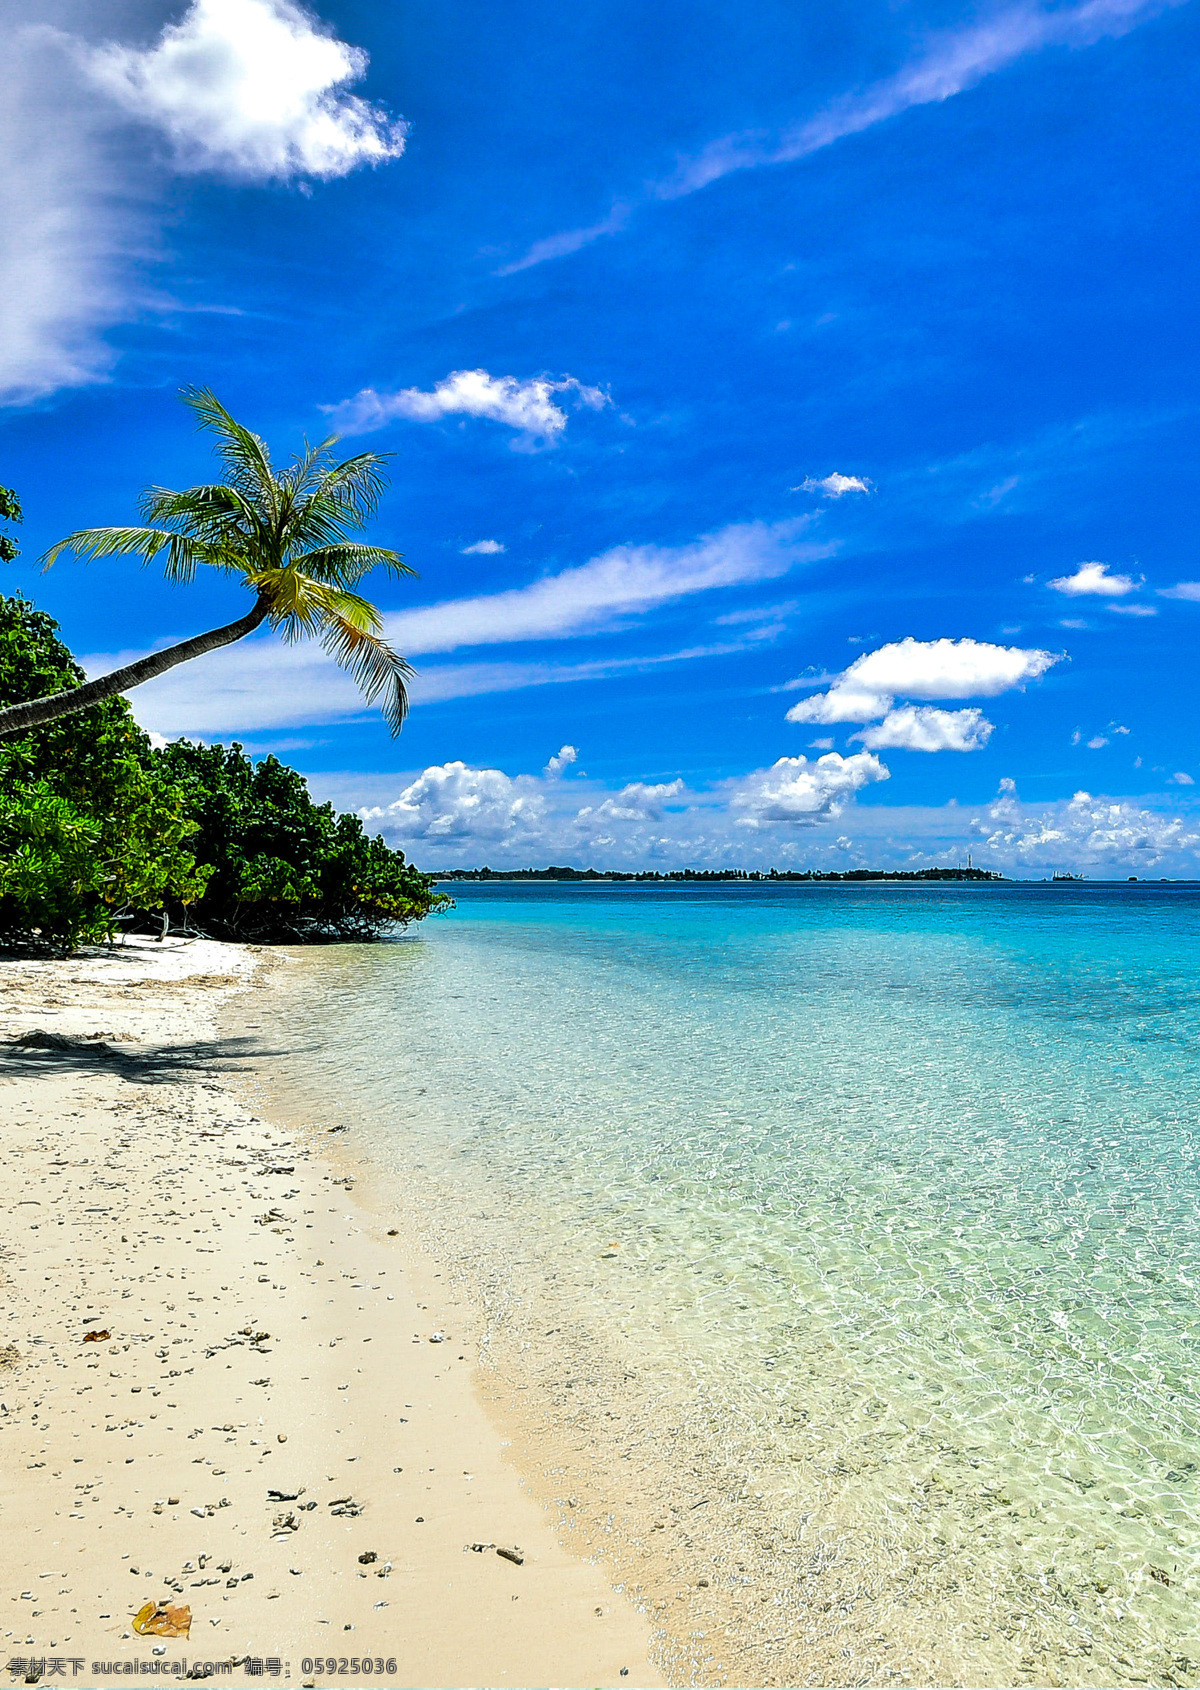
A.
pixel 902 1181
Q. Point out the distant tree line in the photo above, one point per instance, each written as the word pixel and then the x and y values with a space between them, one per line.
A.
pixel 714 874
pixel 100 832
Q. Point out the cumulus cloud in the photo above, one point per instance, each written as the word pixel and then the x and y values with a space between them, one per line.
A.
pixel 562 759
pixel 245 88
pixel 913 668
pixel 801 792
pixel 621 581
pixel 456 802
pixel 483 548
pixel 842 703
pixel 530 407
pixel 253 89
pixel 1094 579
pixel 1087 834
pixel 779 816
pixel 464 814
pixel 636 802
pixel 834 486
pixel 916 727
pixel 949 668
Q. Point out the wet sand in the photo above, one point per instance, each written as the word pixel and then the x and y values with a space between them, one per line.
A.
pixel 279 1427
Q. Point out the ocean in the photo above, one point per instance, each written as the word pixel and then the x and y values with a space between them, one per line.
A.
pixel 837 1249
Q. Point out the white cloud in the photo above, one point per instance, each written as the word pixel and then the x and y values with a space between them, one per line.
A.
pixel 1085 834
pixel 922 669
pixel 483 548
pixel 251 88
pixel 619 582
pixel 262 684
pixel 1182 779
pixel 1097 742
pixel 528 406
pixel 71 225
pixel 81 198
pixel 834 486
pixel 463 814
pixel 562 759
pixel 1189 590
pixel 777 816
pixel 953 62
pixel 1133 609
pixel 946 668
pixel 1094 579
pixel 798 791
pixel 456 802
pixel 636 802
pixel 916 727
pixel 842 703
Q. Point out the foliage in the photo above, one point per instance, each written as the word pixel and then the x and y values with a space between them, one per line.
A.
pixel 283 866
pixel 90 831
pixel 10 511
pixel 286 534
pixel 98 829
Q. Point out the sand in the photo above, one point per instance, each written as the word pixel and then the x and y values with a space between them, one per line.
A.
pixel 278 1426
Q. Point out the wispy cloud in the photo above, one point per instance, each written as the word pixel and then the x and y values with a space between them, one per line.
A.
pixel 262 683
pixel 569 241
pixel 483 548
pixel 951 63
pixel 623 581
pixel 530 406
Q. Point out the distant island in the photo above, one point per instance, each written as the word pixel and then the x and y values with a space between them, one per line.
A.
pixel 690 875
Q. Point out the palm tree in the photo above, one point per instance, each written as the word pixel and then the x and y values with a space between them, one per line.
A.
pixel 285 534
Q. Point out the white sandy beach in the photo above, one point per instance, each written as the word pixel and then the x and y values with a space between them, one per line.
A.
pixel 278 1427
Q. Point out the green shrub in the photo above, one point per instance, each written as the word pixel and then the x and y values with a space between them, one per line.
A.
pixel 100 831
pixel 92 835
pixel 284 867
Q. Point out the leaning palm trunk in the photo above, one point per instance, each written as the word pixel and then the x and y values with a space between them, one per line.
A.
pixel 285 535
pixel 19 718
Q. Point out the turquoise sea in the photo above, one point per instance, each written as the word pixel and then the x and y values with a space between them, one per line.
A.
pixel 870 1214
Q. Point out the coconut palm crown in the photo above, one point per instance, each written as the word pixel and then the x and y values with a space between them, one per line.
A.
pixel 288 535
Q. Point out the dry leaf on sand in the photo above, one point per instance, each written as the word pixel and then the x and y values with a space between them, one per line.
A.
pixel 158 1619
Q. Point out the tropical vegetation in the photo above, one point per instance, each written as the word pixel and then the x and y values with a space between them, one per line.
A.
pixel 100 832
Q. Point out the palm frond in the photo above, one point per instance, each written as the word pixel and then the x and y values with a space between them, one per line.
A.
pixel 380 672
pixel 183 552
pixel 297 603
pixel 211 506
pixel 345 564
pixel 245 455
pixel 357 484
pixel 308 468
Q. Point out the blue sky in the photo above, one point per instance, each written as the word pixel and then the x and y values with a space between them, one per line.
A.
pixel 719 349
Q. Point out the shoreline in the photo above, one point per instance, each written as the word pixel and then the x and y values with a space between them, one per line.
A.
pixel 239 1284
